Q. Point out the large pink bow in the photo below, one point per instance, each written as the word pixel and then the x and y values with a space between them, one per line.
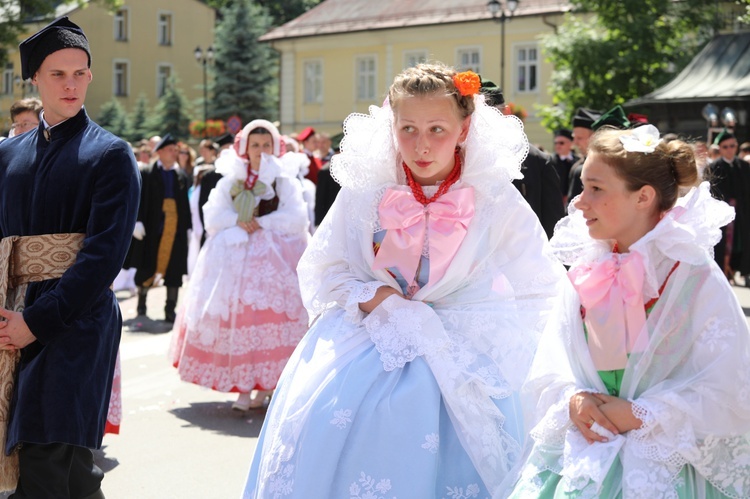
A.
pixel 611 291
pixel 445 221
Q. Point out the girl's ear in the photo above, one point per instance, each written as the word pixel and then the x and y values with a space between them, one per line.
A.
pixel 464 129
pixel 647 198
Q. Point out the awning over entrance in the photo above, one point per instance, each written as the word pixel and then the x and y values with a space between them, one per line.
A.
pixel 721 71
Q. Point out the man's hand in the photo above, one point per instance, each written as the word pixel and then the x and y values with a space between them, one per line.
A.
pixel 14 333
pixel 139 232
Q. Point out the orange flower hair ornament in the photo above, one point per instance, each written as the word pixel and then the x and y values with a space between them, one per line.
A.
pixel 467 83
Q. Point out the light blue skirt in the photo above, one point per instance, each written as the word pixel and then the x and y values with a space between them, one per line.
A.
pixel 349 429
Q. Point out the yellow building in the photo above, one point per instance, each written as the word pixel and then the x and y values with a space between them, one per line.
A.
pixel 341 56
pixel 134 51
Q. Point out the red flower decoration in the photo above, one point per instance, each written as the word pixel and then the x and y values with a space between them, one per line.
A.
pixel 467 83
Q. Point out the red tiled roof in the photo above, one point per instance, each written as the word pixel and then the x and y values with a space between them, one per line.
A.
pixel 343 16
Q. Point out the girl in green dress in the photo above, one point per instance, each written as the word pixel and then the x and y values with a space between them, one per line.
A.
pixel 641 384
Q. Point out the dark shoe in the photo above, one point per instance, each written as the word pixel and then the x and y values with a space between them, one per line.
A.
pixel 170 317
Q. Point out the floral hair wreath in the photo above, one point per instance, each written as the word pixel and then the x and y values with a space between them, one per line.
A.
pixel 642 139
pixel 467 83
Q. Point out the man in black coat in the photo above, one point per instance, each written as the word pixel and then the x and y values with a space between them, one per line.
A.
pixel 67 180
pixel 540 185
pixel 730 182
pixel 159 247
pixel 564 158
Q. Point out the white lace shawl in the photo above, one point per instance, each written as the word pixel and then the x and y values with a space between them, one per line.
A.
pixel 691 387
pixel 480 330
pixel 290 217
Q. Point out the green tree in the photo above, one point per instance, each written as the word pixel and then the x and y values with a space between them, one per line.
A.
pixel 137 120
pixel 17 13
pixel 172 114
pixel 619 51
pixel 281 11
pixel 112 117
pixel 245 69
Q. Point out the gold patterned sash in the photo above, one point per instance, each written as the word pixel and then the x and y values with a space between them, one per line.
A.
pixel 25 259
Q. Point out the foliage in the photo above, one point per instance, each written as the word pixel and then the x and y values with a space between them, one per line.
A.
pixel 745 18
pixel 608 52
pixel 112 117
pixel 172 114
pixel 245 69
pixel 282 11
pixel 15 13
pixel 137 120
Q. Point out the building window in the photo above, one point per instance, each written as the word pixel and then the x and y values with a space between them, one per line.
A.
pixel 8 79
pixel 313 71
pixel 121 25
pixel 528 69
pixel 414 57
pixel 366 77
pixel 163 73
pixel 165 29
pixel 120 79
pixel 469 59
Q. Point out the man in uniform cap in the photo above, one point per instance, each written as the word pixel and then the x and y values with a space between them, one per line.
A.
pixel 540 185
pixel 69 189
pixel 583 122
pixel 308 139
pixel 159 247
pixel 730 181
pixel 564 158
pixel 224 141
pixel 614 118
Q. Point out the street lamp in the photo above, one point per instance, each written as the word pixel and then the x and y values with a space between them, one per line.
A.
pixel 495 7
pixel 205 60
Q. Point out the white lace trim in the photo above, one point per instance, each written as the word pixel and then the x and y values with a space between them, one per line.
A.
pixel 402 333
pixel 361 292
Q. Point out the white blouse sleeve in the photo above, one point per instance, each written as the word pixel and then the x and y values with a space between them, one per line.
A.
pixel 334 270
pixel 219 212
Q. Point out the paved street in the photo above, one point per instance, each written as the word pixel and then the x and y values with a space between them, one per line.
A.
pixel 177 440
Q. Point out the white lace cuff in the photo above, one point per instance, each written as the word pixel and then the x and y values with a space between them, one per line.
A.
pixel 361 292
pixel 642 413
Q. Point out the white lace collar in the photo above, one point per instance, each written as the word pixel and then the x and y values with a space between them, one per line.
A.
pixel 494 149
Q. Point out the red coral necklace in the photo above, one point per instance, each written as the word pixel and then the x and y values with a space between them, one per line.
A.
pixel 452 178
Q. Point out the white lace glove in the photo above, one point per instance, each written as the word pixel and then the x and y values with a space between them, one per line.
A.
pixel 139 231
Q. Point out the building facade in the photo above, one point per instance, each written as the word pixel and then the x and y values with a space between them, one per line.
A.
pixel 341 56
pixel 134 52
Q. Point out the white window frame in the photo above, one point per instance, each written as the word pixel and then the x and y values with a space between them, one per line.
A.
pixel 161 82
pixel 312 83
pixel 164 28
pixel 469 50
pixel 9 80
pixel 121 25
pixel 366 77
pixel 125 80
pixel 525 66
pixel 414 57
